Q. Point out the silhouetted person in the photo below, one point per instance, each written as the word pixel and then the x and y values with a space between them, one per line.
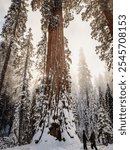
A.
pixel 92 140
pixel 99 134
pixel 58 134
pixel 84 140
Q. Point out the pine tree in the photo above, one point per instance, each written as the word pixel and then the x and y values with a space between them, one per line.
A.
pixel 84 74
pixel 37 108
pixel 109 102
pixel 42 54
pixel 85 87
pixel 21 127
pixel 104 124
pixel 108 77
pixel 76 109
pixel 106 7
pixel 6 114
pixel 104 127
pixel 102 100
pixel 102 28
pixel 12 32
pixel 93 110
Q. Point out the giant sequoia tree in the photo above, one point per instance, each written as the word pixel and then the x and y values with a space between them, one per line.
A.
pixel 56 71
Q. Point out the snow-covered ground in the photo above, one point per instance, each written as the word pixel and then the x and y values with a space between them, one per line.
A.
pixel 58 147
pixel 49 142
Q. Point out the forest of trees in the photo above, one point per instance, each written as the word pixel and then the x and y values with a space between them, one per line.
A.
pixel 23 111
pixel 93 104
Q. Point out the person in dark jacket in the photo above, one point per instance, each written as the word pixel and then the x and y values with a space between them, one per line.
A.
pixel 84 140
pixel 92 140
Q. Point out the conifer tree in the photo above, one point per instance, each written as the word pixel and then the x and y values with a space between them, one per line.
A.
pixel 42 54
pixel 37 108
pixel 104 127
pixel 85 87
pixel 102 100
pixel 21 127
pixel 109 102
pixel 57 97
pixel 6 114
pixel 12 32
pixel 104 124
pixel 102 28
pixel 57 111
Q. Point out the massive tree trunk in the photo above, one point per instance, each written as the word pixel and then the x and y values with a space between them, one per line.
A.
pixel 57 100
pixel 55 71
pixel 55 54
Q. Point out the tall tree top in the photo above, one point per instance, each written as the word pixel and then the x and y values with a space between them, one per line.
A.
pixel 15 20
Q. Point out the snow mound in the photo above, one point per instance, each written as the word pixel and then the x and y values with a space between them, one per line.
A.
pixel 49 142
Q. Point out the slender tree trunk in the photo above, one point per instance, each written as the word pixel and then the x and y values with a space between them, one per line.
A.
pixel 23 116
pixel 26 62
pixel 20 124
pixel 4 69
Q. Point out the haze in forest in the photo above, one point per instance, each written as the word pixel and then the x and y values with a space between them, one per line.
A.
pixel 78 34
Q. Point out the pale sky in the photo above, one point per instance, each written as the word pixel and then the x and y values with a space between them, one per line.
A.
pixel 78 34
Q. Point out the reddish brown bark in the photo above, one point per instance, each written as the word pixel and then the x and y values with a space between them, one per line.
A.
pixel 55 55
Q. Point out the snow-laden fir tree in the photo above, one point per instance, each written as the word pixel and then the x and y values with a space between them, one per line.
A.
pixel 21 130
pixel 93 110
pixel 37 108
pixel 108 77
pixel 41 54
pixel 102 100
pixel 12 31
pixel 104 127
pixel 104 124
pixel 100 13
pixel 6 114
pixel 85 87
pixel 75 102
pixel 38 99
pixel 109 102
